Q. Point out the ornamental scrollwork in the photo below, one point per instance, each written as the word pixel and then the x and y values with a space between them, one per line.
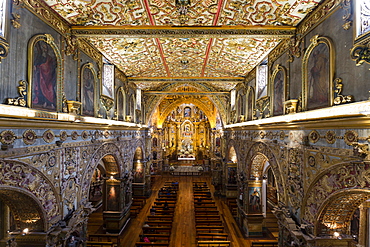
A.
pixel 333 180
pixel 339 98
pixel 22 90
pixel 4 49
pixel 18 175
pixel 361 54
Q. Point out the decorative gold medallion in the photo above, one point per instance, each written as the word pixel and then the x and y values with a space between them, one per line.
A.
pixel 350 137
pixel 282 135
pixel 314 136
pixel 330 137
pixel 29 137
pixel 84 135
pixel 48 136
pixel 74 135
pixel 63 135
pixel 7 137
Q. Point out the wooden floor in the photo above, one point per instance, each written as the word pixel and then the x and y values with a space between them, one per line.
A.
pixel 183 232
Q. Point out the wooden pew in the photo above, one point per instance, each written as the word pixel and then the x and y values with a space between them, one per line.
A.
pixel 114 238
pixel 172 200
pixel 265 244
pixel 161 207
pixel 210 229
pixel 164 212
pixel 204 203
pixel 197 207
pixel 208 223
pixel 207 217
pixel 212 236
pixel 98 244
pixel 206 212
pixel 158 223
pixel 153 237
pixel 160 217
pixel 213 244
pixel 157 229
pixel 151 244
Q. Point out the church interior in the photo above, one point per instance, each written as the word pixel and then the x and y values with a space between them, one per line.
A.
pixel 185 123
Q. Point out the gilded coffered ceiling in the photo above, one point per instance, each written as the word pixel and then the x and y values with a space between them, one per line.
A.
pixel 184 38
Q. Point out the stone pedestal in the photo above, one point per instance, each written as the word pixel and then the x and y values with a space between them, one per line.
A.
pixel 254 225
pixel 115 221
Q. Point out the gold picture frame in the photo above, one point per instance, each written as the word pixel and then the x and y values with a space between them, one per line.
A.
pixel 88 90
pixel 278 79
pixel 318 66
pixel 45 74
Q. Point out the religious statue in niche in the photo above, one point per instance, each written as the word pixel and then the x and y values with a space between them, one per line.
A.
pixel 187 130
pixel 187 112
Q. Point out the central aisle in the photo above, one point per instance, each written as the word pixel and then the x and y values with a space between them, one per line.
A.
pixel 183 232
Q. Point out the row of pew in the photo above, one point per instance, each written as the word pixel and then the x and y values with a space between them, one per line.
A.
pixel 156 231
pixel 210 230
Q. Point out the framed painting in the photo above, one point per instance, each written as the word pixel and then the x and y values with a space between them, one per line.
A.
pixel 88 89
pixel 108 80
pixel 120 102
pixel 278 89
pixel 250 103
pixel 231 174
pixel 44 74
pixel 4 29
pixel 254 198
pixel 318 74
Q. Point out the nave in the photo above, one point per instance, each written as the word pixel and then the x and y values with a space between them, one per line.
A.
pixel 184 230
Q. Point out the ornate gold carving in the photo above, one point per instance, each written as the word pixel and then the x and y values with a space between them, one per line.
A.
pixel 84 135
pixel 314 136
pixel 290 106
pixel 330 137
pixel 22 90
pixel 317 16
pixel 91 52
pixel 74 135
pixel 74 107
pixel 262 107
pixel 334 179
pixel 346 5
pixel 15 21
pixel 48 136
pixel 29 137
pixel 350 137
pixel 7 137
pixel 200 32
pixel 4 49
pixel 17 175
pixel 361 54
pixel 44 12
pixel 63 136
pixel 340 99
pixel 72 46
pixel 294 48
pixel 107 102
pixel 360 149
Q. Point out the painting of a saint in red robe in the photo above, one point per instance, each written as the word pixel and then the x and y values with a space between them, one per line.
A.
pixel 44 77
